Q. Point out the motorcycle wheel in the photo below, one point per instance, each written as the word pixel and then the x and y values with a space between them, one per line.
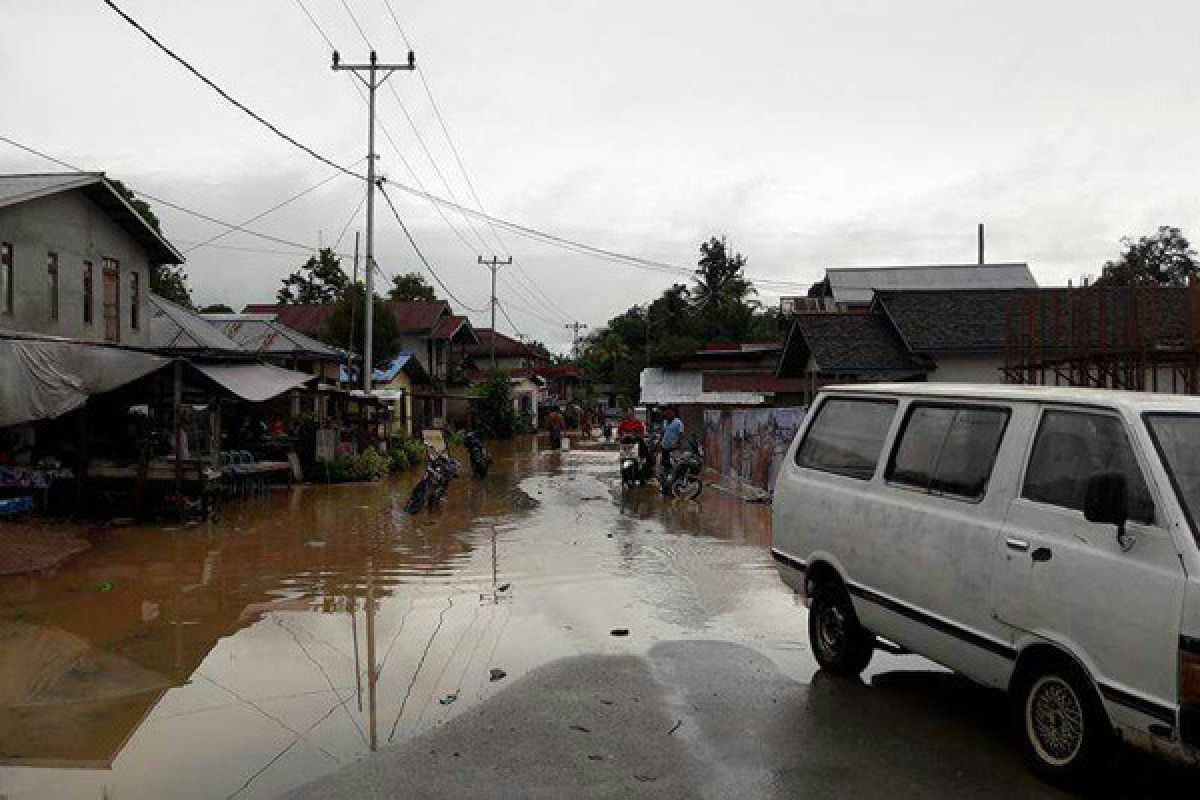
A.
pixel 686 487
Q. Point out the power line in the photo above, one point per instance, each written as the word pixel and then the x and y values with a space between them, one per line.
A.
pixel 421 255
pixel 346 227
pixel 228 97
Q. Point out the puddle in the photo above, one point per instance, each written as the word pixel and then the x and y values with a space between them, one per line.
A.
pixel 235 658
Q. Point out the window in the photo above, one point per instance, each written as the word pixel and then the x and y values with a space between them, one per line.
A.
pixel 52 285
pixel 948 449
pixel 6 276
pixel 1071 447
pixel 135 299
pixel 87 293
pixel 847 436
pixel 111 299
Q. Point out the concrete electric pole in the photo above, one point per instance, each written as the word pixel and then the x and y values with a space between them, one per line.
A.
pixel 575 328
pixel 376 74
pixel 494 264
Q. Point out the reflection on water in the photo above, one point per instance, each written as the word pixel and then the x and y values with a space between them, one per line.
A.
pixel 303 629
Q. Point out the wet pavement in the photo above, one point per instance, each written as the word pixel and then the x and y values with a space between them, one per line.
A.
pixel 233 659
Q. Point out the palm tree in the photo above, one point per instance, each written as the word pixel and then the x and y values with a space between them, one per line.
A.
pixel 719 279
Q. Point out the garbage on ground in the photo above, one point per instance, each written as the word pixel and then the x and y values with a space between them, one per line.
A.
pixel 448 699
pixel 620 631
pixel 496 674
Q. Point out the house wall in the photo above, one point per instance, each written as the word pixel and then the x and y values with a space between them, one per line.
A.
pixel 402 383
pixel 968 369
pixel 72 226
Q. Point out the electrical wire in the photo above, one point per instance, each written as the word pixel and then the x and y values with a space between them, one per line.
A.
pixel 421 255
pixel 353 216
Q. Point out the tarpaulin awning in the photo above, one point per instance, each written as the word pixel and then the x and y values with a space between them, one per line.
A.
pixel 46 378
pixel 254 382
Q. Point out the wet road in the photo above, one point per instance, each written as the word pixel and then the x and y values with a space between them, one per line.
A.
pixel 234 659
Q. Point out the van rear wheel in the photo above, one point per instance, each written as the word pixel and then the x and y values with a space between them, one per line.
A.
pixel 1064 730
pixel 841 645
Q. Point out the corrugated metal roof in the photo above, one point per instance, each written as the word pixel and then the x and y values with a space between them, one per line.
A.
pixel 173 327
pixel 261 333
pixel 23 188
pixel 305 318
pixel 667 387
pixel 857 285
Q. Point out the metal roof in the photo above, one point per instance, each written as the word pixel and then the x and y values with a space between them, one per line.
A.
pixel 17 189
pixel 262 333
pixel 173 327
pixel 857 285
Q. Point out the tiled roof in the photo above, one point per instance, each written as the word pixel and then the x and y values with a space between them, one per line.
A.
pixel 454 328
pixel 506 346
pixel 417 316
pixel 309 318
pixel 846 342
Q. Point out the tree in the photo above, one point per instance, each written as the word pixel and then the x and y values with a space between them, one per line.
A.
pixel 497 417
pixel 319 280
pixel 216 308
pixel 1165 258
pixel 347 314
pixel 166 280
pixel 719 281
pixel 411 286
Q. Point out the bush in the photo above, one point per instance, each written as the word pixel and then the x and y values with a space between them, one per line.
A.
pixel 399 459
pixel 366 466
pixel 404 453
pixel 497 419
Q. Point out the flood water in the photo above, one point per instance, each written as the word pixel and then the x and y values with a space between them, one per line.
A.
pixel 234 658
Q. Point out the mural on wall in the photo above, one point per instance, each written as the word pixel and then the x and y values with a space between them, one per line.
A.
pixel 749 444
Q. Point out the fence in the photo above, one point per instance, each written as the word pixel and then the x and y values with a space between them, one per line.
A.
pixel 748 445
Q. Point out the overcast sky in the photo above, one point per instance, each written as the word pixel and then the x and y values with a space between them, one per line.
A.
pixel 812 134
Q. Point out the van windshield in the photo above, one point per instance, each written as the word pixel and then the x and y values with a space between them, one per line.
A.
pixel 1177 437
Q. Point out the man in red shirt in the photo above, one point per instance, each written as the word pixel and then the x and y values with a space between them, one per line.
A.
pixel 630 425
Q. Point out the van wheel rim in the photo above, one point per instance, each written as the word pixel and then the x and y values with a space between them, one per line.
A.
pixel 1054 721
pixel 831 631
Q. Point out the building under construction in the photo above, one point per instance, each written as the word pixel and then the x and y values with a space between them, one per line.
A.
pixel 1141 338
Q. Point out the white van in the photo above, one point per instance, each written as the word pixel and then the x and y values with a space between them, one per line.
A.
pixel 1041 540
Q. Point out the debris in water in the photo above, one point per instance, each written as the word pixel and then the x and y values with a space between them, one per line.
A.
pixel 448 699
pixel 496 674
pixel 620 631
pixel 581 729
pixel 106 586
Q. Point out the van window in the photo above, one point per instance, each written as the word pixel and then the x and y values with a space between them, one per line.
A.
pixel 847 436
pixel 1070 447
pixel 948 449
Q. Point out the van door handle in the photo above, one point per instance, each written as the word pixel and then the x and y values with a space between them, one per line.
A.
pixel 1020 545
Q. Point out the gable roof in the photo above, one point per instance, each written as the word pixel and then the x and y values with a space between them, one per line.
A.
pixel 951 320
pixel 17 189
pixel 307 318
pixel 417 316
pixel 857 285
pixel 173 327
pixel 845 342
pixel 454 328
pixel 263 333
pixel 506 346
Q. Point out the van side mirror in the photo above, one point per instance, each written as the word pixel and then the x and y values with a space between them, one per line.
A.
pixel 1106 502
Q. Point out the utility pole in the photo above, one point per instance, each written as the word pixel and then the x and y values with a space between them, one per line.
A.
pixel 376 74
pixel 494 264
pixel 981 262
pixel 353 283
pixel 575 328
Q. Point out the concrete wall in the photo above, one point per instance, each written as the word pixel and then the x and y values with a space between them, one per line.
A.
pixel 76 229
pixel 968 369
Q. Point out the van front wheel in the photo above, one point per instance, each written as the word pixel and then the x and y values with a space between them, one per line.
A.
pixel 841 645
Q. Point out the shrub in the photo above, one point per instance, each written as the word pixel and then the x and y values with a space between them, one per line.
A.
pixel 497 419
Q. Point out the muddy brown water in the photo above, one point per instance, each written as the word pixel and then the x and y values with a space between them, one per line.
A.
pixel 233 658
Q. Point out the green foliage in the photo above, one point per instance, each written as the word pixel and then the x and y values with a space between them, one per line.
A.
pixel 319 280
pixel 456 438
pixel 171 282
pixel 1165 258
pixel 718 307
pixel 368 465
pixel 139 205
pixel 216 308
pixel 398 460
pixel 346 329
pixel 497 418
pixel 411 286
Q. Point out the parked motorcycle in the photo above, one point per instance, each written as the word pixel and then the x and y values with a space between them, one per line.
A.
pixel 683 481
pixel 440 470
pixel 481 459
pixel 637 466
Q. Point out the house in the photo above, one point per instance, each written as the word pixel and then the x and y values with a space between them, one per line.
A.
pixel 75 259
pixel 511 354
pixel 853 288
pixel 404 383
pixel 276 343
